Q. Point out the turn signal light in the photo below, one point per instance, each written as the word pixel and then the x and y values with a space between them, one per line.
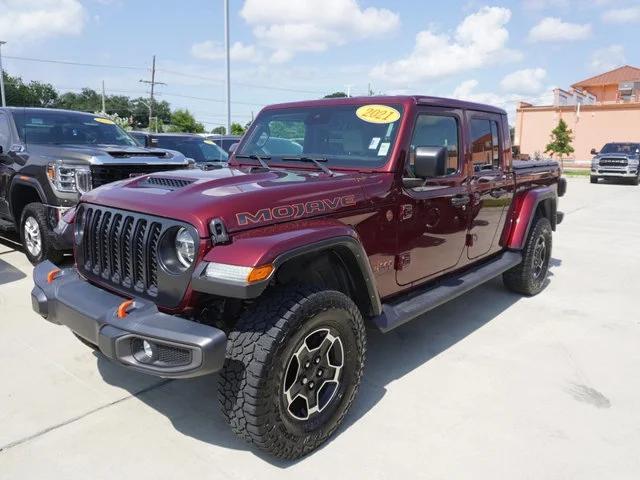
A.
pixel 53 274
pixel 260 273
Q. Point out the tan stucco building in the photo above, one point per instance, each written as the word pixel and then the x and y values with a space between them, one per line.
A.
pixel 601 109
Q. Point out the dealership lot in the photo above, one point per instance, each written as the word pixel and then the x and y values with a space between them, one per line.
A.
pixel 489 385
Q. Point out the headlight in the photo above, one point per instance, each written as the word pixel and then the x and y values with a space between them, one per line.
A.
pixel 185 247
pixel 69 179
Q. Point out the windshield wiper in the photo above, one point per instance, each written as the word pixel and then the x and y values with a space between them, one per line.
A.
pixel 315 161
pixel 260 159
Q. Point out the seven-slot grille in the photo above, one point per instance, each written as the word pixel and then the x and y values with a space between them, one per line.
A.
pixel 613 162
pixel 121 248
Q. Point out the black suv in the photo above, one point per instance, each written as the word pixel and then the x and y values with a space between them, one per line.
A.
pixel 191 145
pixel 49 158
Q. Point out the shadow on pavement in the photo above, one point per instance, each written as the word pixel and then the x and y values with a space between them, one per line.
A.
pixel 192 406
pixel 9 273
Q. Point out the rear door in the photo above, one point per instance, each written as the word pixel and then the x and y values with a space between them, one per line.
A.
pixel 433 216
pixel 490 184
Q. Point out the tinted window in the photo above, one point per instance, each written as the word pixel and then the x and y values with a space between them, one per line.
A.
pixel 437 131
pixel 344 135
pixel 4 132
pixel 485 145
pixel 199 149
pixel 141 138
pixel 627 148
pixel 58 128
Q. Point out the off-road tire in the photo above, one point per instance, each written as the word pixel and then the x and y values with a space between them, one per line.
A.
pixel 522 278
pixel 38 212
pixel 593 179
pixel 258 351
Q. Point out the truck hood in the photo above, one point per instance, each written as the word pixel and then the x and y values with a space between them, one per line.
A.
pixel 241 198
pixel 107 154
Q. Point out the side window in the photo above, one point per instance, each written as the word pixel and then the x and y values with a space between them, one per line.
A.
pixel 437 131
pixel 4 132
pixel 485 144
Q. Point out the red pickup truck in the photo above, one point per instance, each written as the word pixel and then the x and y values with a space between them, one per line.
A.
pixel 333 214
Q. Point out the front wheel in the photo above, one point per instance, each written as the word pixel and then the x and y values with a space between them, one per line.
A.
pixel 528 278
pixel 37 238
pixel 593 179
pixel 636 181
pixel 293 368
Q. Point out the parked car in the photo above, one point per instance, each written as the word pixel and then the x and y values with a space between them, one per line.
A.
pixel 200 149
pixel 224 141
pixel 616 160
pixel 48 158
pixel 268 271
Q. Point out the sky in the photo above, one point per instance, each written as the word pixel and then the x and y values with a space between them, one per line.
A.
pixel 499 52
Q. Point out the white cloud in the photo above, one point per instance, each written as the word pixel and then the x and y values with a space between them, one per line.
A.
pixel 526 81
pixel 608 58
pixel 479 40
pixel 209 50
pixel 288 27
pixel 28 20
pixel 552 29
pixel 622 15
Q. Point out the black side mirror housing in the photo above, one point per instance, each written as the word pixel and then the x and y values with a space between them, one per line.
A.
pixel 430 162
pixel 593 151
pixel 233 146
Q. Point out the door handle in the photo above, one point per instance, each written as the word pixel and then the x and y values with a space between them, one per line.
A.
pixel 460 200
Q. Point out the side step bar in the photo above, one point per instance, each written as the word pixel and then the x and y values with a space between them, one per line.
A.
pixel 395 314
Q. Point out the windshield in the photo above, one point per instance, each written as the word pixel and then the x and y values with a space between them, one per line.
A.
pixel 56 128
pixel 349 135
pixel 626 148
pixel 199 149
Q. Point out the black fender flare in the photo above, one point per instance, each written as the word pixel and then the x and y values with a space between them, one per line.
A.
pixel 28 182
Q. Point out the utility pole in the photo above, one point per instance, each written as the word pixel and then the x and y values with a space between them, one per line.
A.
pixel 153 83
pixel 228 61
pixel 4 101
pixel 103 109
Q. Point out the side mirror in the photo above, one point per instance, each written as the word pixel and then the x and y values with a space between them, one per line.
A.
pixel 232 147
pixel 593 151
pixel 430 162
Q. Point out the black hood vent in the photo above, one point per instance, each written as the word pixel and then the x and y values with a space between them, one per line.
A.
pixel 137 153
pixel 165 183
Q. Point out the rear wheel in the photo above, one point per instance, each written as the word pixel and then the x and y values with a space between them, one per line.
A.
pixel 293 368
pixel 528 278
pixel 37 238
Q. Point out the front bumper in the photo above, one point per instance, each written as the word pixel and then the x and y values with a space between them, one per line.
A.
pixel 183 348
pixel 612 172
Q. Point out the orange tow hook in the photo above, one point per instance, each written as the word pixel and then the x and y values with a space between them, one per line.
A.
pixel 53 274
pixel 124 306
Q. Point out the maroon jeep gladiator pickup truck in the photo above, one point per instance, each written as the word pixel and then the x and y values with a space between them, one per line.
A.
pixel 333 214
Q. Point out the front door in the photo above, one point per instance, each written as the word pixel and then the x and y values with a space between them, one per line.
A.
pixel 433 216
pixel 491 187
pixel 6 171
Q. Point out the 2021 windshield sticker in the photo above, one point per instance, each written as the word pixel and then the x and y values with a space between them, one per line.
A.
pixel 377 113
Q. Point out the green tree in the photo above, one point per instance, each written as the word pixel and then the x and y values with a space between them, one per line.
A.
pixel 32 94
pixel 561 138
pixel 183 121
pixel 219 130
pixel 336 95
pixel 237 129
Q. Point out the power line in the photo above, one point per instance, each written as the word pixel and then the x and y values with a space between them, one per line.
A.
pixel 171 72
pixel 80 64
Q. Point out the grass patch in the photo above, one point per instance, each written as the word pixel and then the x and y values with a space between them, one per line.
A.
pixel 577 172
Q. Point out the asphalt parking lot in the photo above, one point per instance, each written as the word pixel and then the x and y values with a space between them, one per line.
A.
pixel 491 385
